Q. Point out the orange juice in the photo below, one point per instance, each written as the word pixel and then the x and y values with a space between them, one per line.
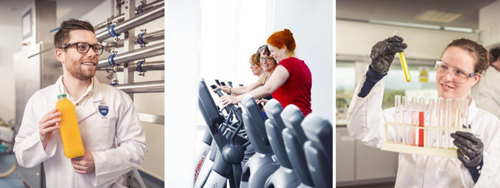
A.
pixel 70 132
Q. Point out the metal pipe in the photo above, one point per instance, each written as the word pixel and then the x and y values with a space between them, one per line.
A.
pixel 143 87
pixel 121 17
pixel 146 66
pixel 141 19
pixel 142 53
pixel 106 23
pixel 146 38
pixel 151 5
pixel 154 36
pixel 112 44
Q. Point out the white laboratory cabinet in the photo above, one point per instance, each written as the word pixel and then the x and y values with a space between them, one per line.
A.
pixel 361 164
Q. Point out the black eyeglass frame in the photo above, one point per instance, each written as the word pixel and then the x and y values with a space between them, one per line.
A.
pixel 93 46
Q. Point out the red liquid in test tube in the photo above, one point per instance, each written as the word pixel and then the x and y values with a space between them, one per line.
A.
pixel 421 130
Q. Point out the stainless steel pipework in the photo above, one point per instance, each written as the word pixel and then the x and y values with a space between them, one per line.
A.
pixel 141 53
pixel 148 37
pixel 126 25
pixel 121 17
pixel 146 66
pixel 143 87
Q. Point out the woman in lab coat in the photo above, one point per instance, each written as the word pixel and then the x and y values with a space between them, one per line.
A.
pixel 478 164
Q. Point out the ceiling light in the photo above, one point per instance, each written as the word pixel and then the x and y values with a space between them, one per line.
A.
pixel 438 16
pixel 405 24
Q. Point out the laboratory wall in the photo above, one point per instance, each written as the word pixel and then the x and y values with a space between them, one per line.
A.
pixel 151 103
pixel 357 38
pixel 489 25
pixel 8 47
pixel 311 23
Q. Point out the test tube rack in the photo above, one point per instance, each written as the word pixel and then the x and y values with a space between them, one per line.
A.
pixel 424 126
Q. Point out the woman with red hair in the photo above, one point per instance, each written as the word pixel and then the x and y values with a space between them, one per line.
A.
pixel 291 81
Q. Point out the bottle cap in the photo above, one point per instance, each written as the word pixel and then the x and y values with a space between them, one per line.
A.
pixel 61 96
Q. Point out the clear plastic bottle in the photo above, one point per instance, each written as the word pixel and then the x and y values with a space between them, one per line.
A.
pixel 70 132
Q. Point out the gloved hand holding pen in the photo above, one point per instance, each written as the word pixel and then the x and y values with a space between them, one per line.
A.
pixel 383 52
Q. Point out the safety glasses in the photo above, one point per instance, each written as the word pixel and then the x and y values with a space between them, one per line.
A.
pixel 457 73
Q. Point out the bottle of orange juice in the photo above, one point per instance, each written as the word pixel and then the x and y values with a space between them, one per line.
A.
pixel 70 132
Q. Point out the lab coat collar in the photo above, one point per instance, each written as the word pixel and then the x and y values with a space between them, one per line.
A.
pixel 94 100
pixel 95 96
pixel 90 107
pixel 85 96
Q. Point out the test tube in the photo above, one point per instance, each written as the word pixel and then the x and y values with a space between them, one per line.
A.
pixel 448 122
pixel 397 118
pixel 406 119
pixel 430 134
pixel 414 121
pixel 440 122
pixel 457 112
pixel 421 122
pixel 465 114
pixel 404 66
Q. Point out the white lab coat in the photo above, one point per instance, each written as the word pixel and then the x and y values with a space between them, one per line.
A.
pixel 115 140
pixel 487 92
pixel 365 121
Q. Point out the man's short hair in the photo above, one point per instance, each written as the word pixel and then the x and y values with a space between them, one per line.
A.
pixel 62 35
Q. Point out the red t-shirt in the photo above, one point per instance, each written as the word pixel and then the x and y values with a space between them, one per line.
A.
pixel 297 89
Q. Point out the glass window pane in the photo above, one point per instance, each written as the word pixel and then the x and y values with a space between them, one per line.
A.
pixel 395 83
pixel 345 79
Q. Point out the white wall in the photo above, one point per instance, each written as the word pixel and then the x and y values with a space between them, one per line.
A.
pixel 311 23
pixel 11 44
pixel 10 27
pixel 356 38
pixel 489 25
pixel 231 31
pixel 98 14
pixel 182 71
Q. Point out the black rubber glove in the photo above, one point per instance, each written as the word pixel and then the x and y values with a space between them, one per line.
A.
pixel 470 148
pixel 383 53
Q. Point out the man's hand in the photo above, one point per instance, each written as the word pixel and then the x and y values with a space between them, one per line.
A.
pixel 470 148
pixel 84 164
pixel 48 124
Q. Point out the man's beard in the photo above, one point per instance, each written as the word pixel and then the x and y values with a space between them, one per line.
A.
pixel 77 72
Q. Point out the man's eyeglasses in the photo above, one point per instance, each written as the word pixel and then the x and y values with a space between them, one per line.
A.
pixel 458 74
pixel 84 47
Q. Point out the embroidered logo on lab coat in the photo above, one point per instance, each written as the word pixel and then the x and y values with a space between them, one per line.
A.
pixel 103 110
